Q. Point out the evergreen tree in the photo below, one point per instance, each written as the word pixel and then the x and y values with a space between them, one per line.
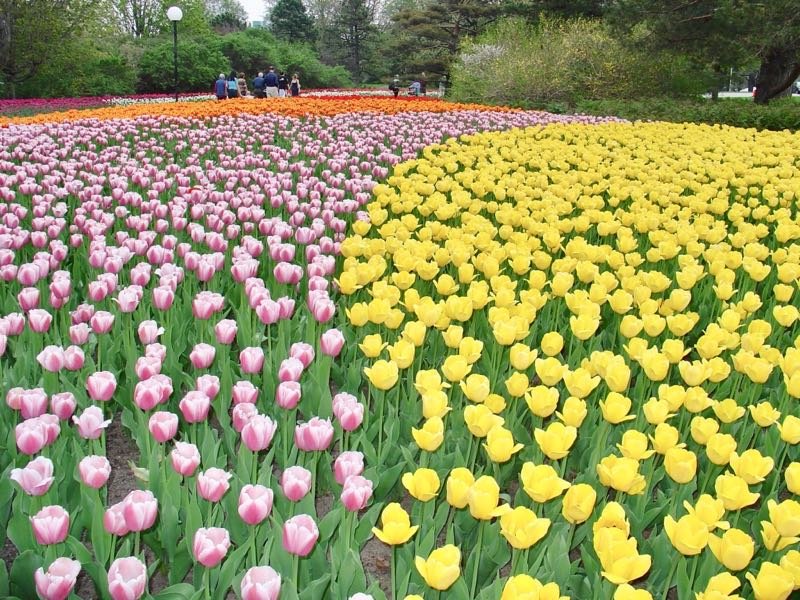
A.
pixel 290 21
pixel 356 35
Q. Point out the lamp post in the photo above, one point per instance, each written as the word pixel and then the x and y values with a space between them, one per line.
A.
pixel 175 14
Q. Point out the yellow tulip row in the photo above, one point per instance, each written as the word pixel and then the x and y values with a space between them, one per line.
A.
pixel 633 283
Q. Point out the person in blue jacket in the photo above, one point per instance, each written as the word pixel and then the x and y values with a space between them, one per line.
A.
pixel 258 86
pixel 271 83
pixel 221 87
pixel 233 85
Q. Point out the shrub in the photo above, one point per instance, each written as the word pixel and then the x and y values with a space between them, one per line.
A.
pixel 200 61
pixel 561 61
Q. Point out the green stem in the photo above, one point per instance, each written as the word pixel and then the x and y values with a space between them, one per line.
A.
pixel 207 582
pixel 253 553
pixel 478 548
pixel 296 572
pixel 668 583
pixel 394 571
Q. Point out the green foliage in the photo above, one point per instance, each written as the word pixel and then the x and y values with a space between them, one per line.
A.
pixel 778 115
pixel 562 61
pixel 200 61
pixel 290 21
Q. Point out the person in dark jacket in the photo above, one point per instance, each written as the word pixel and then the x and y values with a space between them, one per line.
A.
pixel 258 85
pixel 233 85
pixel 295 85
pixel 271 83
pixel 283 85
pixel 221 87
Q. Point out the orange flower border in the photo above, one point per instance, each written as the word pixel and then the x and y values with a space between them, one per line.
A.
pixel 294 107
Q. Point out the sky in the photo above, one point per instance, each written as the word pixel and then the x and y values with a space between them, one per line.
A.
pixel 254 8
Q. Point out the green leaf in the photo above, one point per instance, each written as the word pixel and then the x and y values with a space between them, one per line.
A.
pixel 365 525
pixel 459 590
pixel 180 591
pixel 20 532
pixel 329 523
pixel 316 590
pixel 229 570
pixel 22 571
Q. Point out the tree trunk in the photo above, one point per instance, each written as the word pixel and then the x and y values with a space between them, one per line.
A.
pixel 779 69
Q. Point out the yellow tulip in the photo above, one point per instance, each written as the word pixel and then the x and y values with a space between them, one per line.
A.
pixel 430 436
pixel 578 503
pixel 396 525
pixel 666 437
pixel 771 583
pixel 764 414
pixel 525 587
pixel 541 482
pixel 720 587
pixel 458 485
pixel 654 364
pixel 790 429
pixel 442 567
pixel 791 562
pixel 680 464
pixel 616 408
pixel 552 343
pixel 635 445
pixel 612 517
pixel 476 387
pixel 452 336
pixel 522 528
pixel 621 474
pixel 689 535
pixel 550 370
pixel 733 492
pixel 372 345
pixel 542 400
pixel 710 510
pixel 383 374
pixel 495 403
pixel 656 411
pixel 480 420
pixel 734 549
pixel 414 332
pixel 628 592
pixel 573 412
pixel 483 498
pixel 402 353
pixel 617 375
pixel 728 411
pixel 622 563
pixel 521 356
pixel 500 444
pixel 470 349
pixel 751 465
pixel 517 384
pixel 580 382
pixel 785 517
pixel 423 484
pixel 720 448
pixel 792 476
pixel 556 440
pixel 702 429
pixel 455 367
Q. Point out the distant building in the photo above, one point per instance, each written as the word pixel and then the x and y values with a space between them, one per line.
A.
pixel 258 24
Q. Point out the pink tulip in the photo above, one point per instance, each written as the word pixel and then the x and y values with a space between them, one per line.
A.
pixel 31 436
pixel 356 493
pixel 202 356
pixel 331 342
pixel 149 331
pixel 163 297
pixel 147 366
pixel 63 405
pixel 195 406
pixel 39 320
pixel 28 298
pixel 58 581
pixel 32 403
pixel 251 359
pixel 210 545
pixel 14 397
pixel 315 435
pixel 140 508
pixel 213 483
pixel 114 520
pixel 288 394
pixel 323 310
pixel 36 477
pixel 295 482
pixel 287 273
pixel 202 307
pixel 261 583
pixel 300 533
pixel 290 370
pixel 163 426
pixel 241 415
pixel 348 411
pixel 127 579
pixel 209 385
pixel 268 311
pixel 101 386
pixel 255 503
pixel 302 352
pixel 347 464
pixel 225 331
pixel 50 525
pixel 158 351
pixel 94 471
pixel 258 432
pixel 52 358
pixel 91 423
pixel 52 427
pixel 74 358
pixel 102 322
pixel 185 458
pixel 244 392
pixel 79 334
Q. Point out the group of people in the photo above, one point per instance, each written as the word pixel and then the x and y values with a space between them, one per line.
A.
pixel 418 87
pixel 271 85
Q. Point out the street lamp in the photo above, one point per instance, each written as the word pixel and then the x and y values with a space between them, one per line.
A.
pixel 175 14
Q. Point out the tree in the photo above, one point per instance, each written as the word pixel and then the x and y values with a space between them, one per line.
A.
pixel 290 21
pixel 148 18
pixel 355 30
pixel 722 34
pixel 32 31
pixel 429 34
pixel 226 16
pixel 533 9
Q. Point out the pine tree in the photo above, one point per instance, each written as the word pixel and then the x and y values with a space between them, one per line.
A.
pixel 289 20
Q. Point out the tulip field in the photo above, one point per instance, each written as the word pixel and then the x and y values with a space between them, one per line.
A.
pixel 352 347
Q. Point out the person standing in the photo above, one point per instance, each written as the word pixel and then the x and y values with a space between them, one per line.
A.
pixel 295 85
pixel 283 85
pixel 233 85
pixel 394 86
pixel 423 84
pixel 221 87
pixel 242 85
pixel 271 83
pixel 258 85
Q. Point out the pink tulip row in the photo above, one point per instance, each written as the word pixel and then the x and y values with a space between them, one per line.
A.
pixel 231 237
